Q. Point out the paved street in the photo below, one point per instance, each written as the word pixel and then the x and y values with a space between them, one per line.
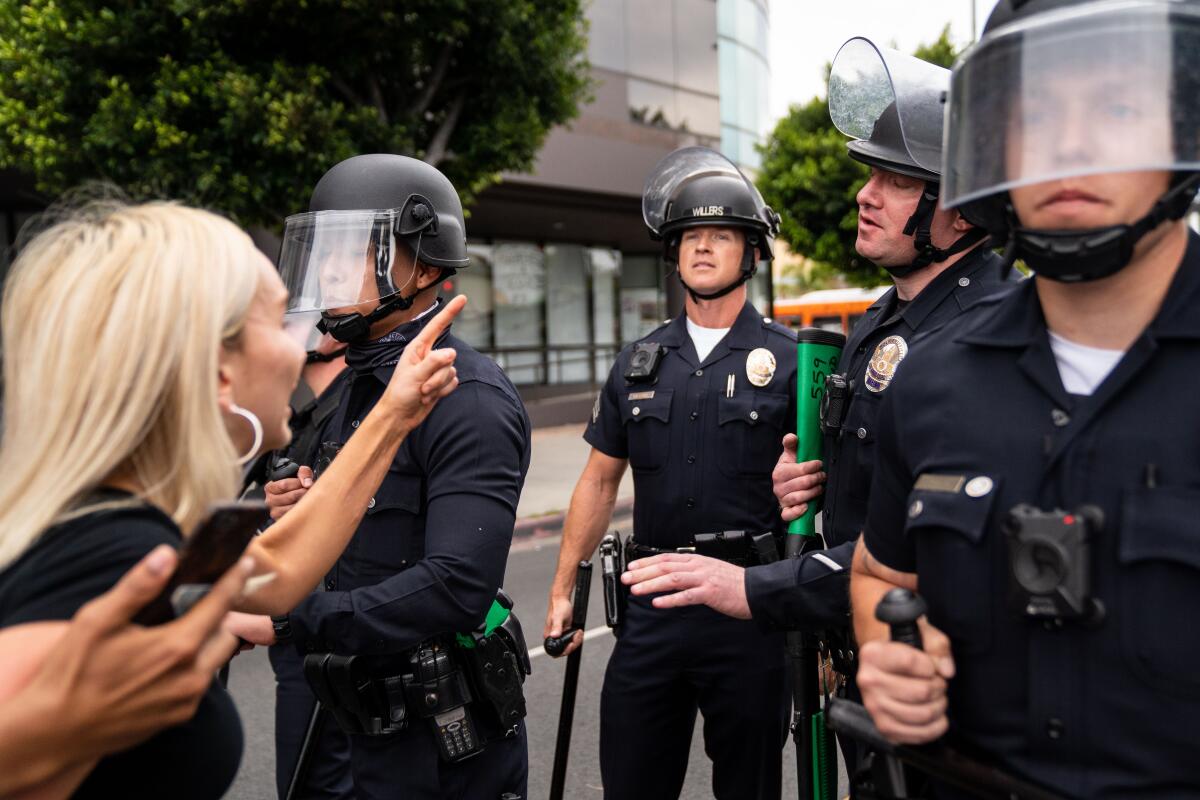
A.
pixel 558 457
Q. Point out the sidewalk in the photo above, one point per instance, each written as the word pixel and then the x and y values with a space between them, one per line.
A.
pixel 558 457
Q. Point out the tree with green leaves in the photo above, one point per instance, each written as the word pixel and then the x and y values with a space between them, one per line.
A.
pixel 808 177
pixel 241 105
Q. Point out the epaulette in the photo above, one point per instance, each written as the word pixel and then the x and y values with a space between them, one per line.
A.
pixel 776 327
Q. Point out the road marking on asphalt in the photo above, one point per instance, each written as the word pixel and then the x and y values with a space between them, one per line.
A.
pixel 599 630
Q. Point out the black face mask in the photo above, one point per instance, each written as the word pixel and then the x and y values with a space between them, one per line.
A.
pixel 348 328
pixel 1075 256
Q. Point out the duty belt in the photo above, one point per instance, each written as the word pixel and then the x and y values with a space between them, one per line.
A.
pixel 736 547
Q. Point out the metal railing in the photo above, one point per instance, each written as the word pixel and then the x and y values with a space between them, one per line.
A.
pixel 555 363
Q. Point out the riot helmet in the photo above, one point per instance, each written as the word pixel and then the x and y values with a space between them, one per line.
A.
pixel 891 106
pixel 694 187
pixel 1062 89
pixel 343 250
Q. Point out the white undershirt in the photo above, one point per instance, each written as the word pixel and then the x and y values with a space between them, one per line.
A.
pixel 1082 368
pixel 705 339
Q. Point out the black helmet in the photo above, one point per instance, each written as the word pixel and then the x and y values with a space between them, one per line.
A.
pixel 360 211
pixel 891 106
pixel 1133 63
pixel 696 186
pixel 383 181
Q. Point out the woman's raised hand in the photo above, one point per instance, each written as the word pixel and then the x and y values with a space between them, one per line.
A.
pixel 425 375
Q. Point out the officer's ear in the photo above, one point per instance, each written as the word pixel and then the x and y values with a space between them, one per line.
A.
pixel 960 223
pixel 427 276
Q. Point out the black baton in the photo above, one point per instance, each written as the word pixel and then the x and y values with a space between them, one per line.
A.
pixel 554 646
pixel 901 609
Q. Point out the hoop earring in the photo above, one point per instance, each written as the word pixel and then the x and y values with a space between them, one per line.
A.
pixel 258 432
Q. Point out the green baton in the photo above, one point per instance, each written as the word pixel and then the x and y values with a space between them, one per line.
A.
pixel 817 354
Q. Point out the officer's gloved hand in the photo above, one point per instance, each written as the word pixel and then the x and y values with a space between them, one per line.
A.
pixel 282 495
pixel 559 616
pixel 795 484
pixel 904 688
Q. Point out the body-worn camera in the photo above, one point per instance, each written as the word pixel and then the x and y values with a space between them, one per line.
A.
pixel 643 364
pixel 1050 562
pixel 833 403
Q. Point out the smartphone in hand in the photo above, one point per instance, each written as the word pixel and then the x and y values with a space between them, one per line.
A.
pixel 216 545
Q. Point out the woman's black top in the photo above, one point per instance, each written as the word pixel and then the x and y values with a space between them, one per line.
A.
pixel 79 560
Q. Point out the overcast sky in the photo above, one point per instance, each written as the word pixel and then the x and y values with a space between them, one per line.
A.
pixel 807 33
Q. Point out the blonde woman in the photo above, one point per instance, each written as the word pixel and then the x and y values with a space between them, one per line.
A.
pixel 145 357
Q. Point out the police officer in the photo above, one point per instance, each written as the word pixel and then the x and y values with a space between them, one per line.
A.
pixel 891 103
pixel 1037 473
pixel 389 642
pixel 698 409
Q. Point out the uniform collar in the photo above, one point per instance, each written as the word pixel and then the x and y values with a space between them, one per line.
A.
pixel 745 334
pixel 971 266
pixel 1017 320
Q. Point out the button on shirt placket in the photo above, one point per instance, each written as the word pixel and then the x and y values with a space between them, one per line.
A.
pixel 695 437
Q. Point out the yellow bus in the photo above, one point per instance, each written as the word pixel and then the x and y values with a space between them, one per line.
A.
pixel 831 309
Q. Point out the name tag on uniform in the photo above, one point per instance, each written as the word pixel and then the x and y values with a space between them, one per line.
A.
pixel 950 484
pixel 641 396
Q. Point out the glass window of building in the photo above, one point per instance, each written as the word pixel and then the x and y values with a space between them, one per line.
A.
pixel 695 40
pixel 652 103
pixel 474 324
pixel 642 306
pixel 567 313
pixel 519 293
pixel 605 268
pixel 650 45
pixel 606 34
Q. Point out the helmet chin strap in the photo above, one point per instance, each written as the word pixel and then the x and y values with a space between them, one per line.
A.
pixel 747 272
pixel 1075 256
pixel 918 227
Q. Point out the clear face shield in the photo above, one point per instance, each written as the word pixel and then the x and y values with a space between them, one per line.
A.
pixel 1089 89
pixel 681 167
pixel 866 81
pixel 332 260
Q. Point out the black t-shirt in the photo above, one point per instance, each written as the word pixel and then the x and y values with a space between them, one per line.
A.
pixel 70 565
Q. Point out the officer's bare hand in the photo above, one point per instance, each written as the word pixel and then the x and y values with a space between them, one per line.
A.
pixel 255 630
pixel 795 484
pixel 690 580
pixel 905 688
pixel 282 495
pixel 424 375
pixel 558 619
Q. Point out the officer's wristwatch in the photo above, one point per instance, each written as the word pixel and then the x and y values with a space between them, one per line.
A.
pixel 283 628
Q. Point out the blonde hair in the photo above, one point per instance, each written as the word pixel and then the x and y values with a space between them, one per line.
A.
pixel 113 321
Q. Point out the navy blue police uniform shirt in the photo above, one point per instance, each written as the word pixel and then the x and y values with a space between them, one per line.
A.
pixel 431 550
pixel 700 443
pixel 979 422
pixel 813 592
